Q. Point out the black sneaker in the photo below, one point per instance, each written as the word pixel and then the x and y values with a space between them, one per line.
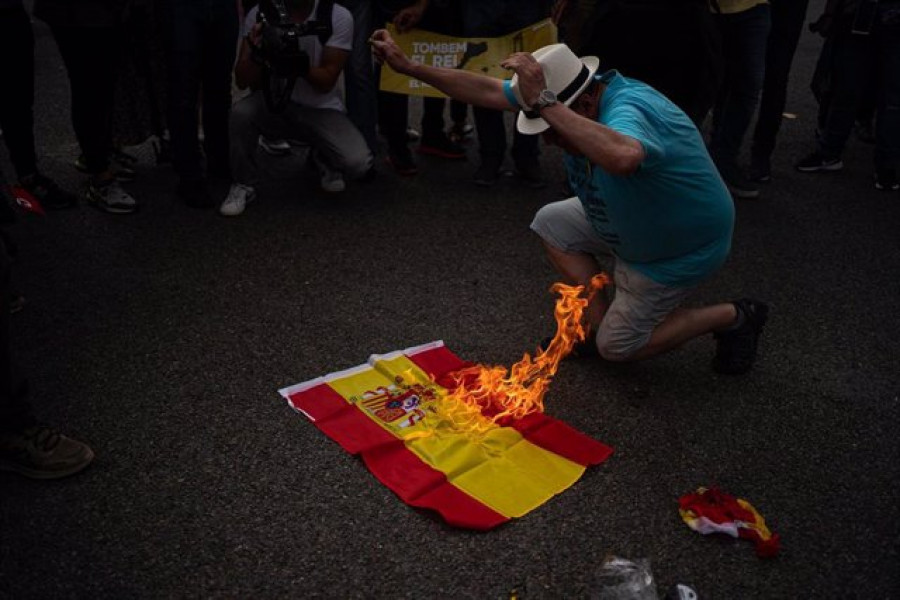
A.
pixel 441 146
pixel 886 180
pixel 402 162
pixel 42 453
pixel 816 162
pixel 488 173
pixel 737 182
pixel 50 195
pixel 760 170
pixel 529 172
pixel 736 348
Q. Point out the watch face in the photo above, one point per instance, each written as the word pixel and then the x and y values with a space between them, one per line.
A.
pixel 548 97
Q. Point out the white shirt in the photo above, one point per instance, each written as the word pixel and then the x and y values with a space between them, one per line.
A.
pixel 341 37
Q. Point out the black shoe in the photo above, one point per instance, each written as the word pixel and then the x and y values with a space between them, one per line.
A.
pixel 488 173
pixel 50 195
pixel 193 193
pixel 760 170
pixel 529 172
pixel 402 162
pixel 737 182
pixel 441 146
pixel 886 180
pixel 816 162
pixel 736 348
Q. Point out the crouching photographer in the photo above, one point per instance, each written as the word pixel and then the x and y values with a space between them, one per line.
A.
pixel 291 56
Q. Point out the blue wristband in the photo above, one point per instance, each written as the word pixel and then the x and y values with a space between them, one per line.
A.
pixel 510 97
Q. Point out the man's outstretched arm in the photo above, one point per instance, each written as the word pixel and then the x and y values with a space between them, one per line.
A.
pixel 465 86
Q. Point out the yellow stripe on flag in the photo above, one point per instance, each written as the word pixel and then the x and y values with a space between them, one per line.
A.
pixel 500 468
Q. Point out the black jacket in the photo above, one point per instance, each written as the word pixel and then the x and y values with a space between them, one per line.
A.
pixel 81 13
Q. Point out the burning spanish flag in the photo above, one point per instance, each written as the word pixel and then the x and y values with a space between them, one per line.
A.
pixel 467 441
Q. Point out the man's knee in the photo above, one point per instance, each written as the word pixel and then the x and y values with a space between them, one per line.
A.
pixel 243 114
pixel 620 344
pixel 357 163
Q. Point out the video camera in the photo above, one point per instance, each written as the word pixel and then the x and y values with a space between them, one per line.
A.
pixel 279 50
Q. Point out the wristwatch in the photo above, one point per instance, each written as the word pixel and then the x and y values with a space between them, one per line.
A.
pixel 545 99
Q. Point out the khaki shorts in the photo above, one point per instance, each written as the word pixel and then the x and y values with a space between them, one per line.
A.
pixel 639 305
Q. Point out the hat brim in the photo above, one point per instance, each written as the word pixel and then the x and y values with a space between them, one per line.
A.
pixel 538 125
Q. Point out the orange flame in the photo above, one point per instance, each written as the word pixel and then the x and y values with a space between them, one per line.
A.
pixel 488 395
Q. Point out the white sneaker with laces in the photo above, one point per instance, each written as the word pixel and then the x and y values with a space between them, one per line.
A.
pixel 331 181
pixel 238 197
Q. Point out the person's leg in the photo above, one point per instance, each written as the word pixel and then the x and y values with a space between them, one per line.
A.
pixel 787 24
pixel 853 66
pixel 15 411
pixel 183 52
pixel 219 47
pixel 745 36
pixel 90 54
pixel 336 142
pixel 525 152
pixel 25 447
pixel 574 249
pixel 86 52
pixel 359 75
pixel 17 74
pixel 249 118
pixel 434 139
pixel 887 133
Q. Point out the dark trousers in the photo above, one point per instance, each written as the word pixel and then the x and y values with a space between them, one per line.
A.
pixel 492 19
pixel 856 61
pixel 17 74
pixel 89 55
pixel 393 109
pixel 744 38
pixel 788 17
pixel 15 412
pixel 202 40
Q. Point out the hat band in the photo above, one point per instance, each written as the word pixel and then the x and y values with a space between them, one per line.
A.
pixel 567 93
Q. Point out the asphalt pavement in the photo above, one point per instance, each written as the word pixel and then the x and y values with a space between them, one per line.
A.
pixel 162 338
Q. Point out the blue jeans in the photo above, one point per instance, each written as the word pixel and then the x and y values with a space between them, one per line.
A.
pixel 744 39
pixel 857 60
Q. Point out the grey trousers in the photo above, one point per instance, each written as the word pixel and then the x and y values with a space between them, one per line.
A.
pixel 330 134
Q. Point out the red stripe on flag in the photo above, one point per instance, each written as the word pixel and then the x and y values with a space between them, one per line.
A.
pixel 554 435
pixel 391 462
pixel 537 428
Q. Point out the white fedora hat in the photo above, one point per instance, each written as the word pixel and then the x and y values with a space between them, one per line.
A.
pixel 566 75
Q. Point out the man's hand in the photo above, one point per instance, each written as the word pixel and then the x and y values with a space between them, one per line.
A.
pixel 531 76
pixel 410 16
pixel 387 51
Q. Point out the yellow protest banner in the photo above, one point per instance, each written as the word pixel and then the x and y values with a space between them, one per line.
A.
pixel 482 55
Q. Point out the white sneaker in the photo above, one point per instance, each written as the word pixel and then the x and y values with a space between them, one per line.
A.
pixel 238 197
pixel 330 180
pixel 273 146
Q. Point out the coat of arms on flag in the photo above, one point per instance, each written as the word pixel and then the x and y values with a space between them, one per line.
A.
pixel 478 468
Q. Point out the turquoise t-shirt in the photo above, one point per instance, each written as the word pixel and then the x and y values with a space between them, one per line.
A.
pixel 672 219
